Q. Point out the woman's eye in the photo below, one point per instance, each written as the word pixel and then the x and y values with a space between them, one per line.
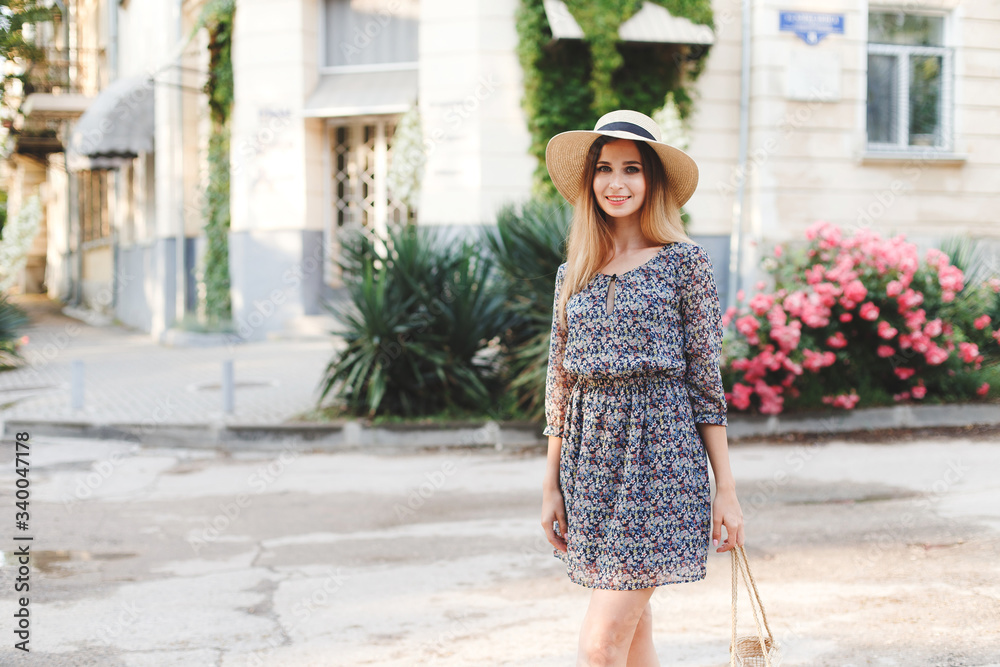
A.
pixel 632 170
pixel 604 167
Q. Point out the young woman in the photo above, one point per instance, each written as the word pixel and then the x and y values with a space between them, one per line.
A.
pixel 633 398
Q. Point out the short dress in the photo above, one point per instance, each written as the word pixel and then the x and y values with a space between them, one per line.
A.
pixel 624 391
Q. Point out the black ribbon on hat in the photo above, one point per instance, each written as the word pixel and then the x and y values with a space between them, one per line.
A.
pixel 623 126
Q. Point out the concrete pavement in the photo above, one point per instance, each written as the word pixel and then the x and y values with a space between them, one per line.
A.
pixel 865 554
pixel 129 378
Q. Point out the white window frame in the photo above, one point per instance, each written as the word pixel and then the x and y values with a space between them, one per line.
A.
pixel 343 69
pixel 902 53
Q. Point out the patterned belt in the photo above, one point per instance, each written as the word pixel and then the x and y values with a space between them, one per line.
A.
pixel 629 379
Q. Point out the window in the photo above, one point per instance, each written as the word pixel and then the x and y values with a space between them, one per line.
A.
pixel 909 82
pixel 361 159
pixel 93 203
pixel 370 32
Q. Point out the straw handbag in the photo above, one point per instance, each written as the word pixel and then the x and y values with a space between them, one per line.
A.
pixel 758 650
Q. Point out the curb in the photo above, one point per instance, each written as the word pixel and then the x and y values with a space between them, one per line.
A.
pixel 350 435
pixel 334 437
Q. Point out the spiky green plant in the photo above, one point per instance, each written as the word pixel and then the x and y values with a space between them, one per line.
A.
pixel 415 325
pixel 12 321
pixel 528 242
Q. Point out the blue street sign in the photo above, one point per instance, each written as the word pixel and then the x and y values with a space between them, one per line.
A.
pixel 812 26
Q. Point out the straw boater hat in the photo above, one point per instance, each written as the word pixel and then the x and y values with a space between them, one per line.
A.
pixel 566 153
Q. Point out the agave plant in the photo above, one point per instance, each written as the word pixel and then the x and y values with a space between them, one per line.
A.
pixel 414 325
pixel 12 320
pixel 528 243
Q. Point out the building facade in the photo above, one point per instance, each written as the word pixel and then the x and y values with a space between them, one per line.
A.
pixel 881 116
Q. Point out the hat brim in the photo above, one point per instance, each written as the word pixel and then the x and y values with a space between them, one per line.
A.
pixel 566 154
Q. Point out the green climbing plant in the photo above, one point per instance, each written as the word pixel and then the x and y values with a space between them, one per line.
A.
pixel 216 306
pixel 569 84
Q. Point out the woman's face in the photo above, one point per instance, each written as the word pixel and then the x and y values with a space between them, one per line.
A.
pixel 619 183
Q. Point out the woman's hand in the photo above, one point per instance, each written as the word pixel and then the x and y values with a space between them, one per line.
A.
pixel 554 509
pixel 726 512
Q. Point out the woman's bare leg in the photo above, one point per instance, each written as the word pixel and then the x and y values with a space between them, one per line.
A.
pixel 610 625
pixel 642 652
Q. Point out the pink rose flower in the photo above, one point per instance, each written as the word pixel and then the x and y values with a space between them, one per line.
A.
pixel 910 299
pixel 936 355
pixel 845 401
pixel 855 291
pixel 936 258
pixel 885 330
pixel 846 317
pixel 885 351
pixel 915 319
pixel 814 361
pixel 919 391
pixel 869 311
pixel 933 328
pixel 894 288
pixel 984 389
pixel 741 396
pixel 951 278
pixel 904 373
pixel 837 341
pixel 760 303
pixel 969 352
pixel 981 322
pixel 747 324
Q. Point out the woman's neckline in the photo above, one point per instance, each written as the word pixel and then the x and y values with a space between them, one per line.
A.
pixel 648 261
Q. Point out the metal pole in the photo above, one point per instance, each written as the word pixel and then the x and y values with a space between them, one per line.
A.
pixel 736 237
pixel 228 387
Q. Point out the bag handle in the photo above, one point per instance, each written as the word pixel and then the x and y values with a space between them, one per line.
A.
pixel 741 564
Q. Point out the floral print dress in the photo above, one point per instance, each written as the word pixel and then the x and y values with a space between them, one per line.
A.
pixel 624 390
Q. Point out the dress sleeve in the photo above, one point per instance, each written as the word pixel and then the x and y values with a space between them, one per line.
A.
pixel 701 316
pixel 558 381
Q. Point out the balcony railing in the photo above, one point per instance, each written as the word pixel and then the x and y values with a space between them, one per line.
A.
pixel 66 71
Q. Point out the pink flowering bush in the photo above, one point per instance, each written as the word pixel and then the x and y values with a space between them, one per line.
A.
pixel 861 320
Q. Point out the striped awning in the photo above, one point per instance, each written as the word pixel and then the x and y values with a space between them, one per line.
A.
pixel 116 127
pixel 653 24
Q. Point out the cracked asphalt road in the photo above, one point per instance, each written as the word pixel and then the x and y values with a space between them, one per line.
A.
pixel 865 554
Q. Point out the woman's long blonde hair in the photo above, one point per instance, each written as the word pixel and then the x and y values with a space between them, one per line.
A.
pixel 590 243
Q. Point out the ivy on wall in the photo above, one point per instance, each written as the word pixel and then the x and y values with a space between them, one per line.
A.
pixel 216 306
pixel 569 83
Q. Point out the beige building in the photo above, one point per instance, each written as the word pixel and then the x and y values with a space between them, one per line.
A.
pixel 867 115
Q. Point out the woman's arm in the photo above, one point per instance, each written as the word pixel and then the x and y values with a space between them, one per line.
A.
pixel 558 384
pixel 702 316
pixel 726 507
pixel 553 507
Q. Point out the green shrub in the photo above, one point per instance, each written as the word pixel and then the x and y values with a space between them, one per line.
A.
pixel 421 326
pixel 854 321
pixel 528 245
